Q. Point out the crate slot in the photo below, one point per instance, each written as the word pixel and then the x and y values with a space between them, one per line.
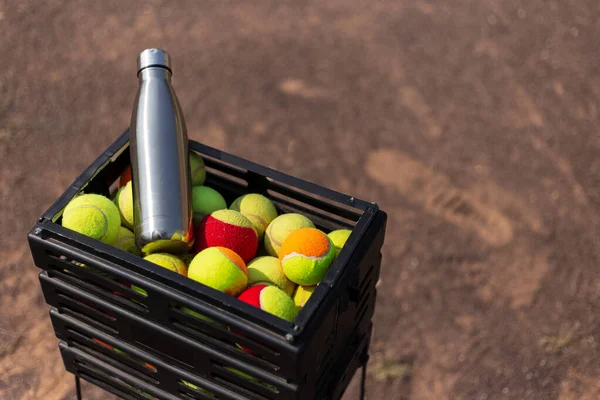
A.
pixel 360 313
pixel 199 393
pixel 98 349
pixel 106 290
pixel 245 377
pixel 321 219
pixel 109 387
pixel 83 307
pixel 239 389
pixel 366 284
pixel 223 166
pixel 195 396
pixel 229 347
pixel 76 344
pixel 215 175
pixel 326 366
pixel 90 321
pixel 316 202
pixel 123 386
pixel 96 342
pixel 219 334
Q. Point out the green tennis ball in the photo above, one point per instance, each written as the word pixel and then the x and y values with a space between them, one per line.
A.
pixel 126 241
pixel 205 201
pixel 124 201
pixel 306 256
pixel 197 169
pixel 268 271
pixel 258 209
pixel 220 268
pixel 302 294
pixel 279 229
pixel 270 299
pixel 339 238
pixel 93 215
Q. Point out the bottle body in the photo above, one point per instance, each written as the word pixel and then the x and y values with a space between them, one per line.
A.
pixel 160 172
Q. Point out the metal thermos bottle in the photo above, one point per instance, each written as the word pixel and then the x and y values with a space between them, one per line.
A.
pixel 160 172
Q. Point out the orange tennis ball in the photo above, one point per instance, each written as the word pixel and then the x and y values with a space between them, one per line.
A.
pixel 306 255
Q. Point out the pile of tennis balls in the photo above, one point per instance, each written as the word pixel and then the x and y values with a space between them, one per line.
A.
pixel 247 250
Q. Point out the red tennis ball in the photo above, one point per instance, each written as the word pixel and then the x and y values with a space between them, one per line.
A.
pixel 230 229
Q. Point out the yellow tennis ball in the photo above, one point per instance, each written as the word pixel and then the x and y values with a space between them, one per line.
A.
pixel 219 268
pixel 302 294
pixel 267 271
pixel 169 262
pixel 279 229
pixel 126 241
pixel 93 215
pixel 197 169
pixel 124 201
pixel 306 256
pixel 339 238
pixel 258 209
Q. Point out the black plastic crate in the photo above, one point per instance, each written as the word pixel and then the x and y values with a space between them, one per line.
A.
pixel 312 358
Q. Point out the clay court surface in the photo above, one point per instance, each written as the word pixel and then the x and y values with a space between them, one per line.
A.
pixel 473 123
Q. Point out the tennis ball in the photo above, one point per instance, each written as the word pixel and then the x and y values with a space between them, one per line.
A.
pixel 227 228
pixel 302 294
pixel 338 238
pixel 93 215
pixel 205 201
pixel 126 241
pixel 197 169
pixel 280 228
pixel 220 268
pixel 306 256
pixel 169 262
pixel 268 271
pixel 124 201
pixel 258 209
pixel 270 299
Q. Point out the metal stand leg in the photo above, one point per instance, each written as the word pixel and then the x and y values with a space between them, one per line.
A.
pixel 78 388
pixel 363 379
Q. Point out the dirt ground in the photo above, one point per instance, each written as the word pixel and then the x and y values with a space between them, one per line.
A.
pixel 473 123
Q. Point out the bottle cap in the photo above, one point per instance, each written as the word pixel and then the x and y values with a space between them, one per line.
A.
pixel 154 58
